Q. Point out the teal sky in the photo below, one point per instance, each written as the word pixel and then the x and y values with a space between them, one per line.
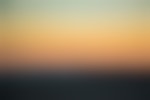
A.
pixel 79 5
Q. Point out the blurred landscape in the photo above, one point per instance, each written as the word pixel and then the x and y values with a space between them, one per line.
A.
pixel 75 49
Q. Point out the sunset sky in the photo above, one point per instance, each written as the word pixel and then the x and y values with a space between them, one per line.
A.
pixel 77 31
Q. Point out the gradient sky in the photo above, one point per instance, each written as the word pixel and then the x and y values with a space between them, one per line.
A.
pixel 78 31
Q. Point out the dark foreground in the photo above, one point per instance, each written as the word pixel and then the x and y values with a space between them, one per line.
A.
pixel 75 87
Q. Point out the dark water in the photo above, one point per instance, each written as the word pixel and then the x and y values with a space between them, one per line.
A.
pixel 74 87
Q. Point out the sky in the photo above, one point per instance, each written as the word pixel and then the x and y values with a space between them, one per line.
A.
pixel 78 31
